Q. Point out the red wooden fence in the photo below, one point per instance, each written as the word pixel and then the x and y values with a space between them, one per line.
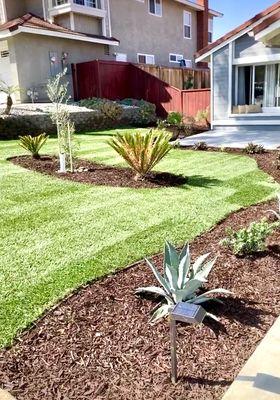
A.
pixel 118 80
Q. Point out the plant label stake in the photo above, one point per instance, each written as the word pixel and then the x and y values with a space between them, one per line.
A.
pixel 183 312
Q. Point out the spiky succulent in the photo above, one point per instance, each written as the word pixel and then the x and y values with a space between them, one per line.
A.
pixel 33 144
pixel 181 280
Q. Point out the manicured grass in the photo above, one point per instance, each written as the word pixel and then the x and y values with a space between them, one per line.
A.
pixel 56 235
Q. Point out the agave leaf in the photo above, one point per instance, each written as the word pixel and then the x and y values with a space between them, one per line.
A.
pixel 212 316
pixel 163 282
pixel 203 273
pixel 191 287
pixel 170 255
pixel 198 264
pixel 184 266
pixel 161 312
pixel 172 277
pixel 154 290
pixel 220 291
pixel 203 299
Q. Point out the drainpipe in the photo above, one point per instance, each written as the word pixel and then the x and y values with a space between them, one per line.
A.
pixel 202 28
pixel 44 10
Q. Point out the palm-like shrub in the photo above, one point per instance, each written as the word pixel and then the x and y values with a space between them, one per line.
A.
pixel 181 280
pixel 142 151
pixel 9 91
pixel 33 144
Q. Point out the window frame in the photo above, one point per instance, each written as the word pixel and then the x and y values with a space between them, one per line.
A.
pixel 146 55
pixel 154 14
pixel 210 29
pixel 177 56
pixel 185 12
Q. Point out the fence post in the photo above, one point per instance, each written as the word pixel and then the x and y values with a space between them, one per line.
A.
pixel 75 82
pixel 99 87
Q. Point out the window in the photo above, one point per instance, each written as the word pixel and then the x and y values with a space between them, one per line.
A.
pixel 146 58
pixel 258 84
pixel 5 53
pixel 175 58
pixel 155 7
pixel 121 57
pixel 210 30
pixel 187 25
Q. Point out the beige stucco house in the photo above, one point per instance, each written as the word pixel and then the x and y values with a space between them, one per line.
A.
pixel 39 38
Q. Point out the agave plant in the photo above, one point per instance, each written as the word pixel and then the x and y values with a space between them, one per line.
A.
pixel 277 214
pixel 142 151
pixel 33 144
pixel 181 280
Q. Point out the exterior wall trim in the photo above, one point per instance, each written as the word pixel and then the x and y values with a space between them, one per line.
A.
pixel 22 29
pixel 256 59
pixel 227 122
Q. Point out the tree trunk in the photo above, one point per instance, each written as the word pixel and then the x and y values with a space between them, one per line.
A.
pixel 9 105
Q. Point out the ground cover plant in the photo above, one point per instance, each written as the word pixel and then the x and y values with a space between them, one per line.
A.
pixel 249 240
pixel 56 235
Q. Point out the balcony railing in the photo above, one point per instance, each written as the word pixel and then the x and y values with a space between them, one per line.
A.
pixel 86 3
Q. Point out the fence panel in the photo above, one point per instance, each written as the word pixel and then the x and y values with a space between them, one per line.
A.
pixel 117 80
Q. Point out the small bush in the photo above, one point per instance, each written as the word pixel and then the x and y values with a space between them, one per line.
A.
pixel 145 114
pixel 203 146
pixel 174 118
pixel 33 144
pixel 248 241
pixel 253 148
pixel 111 110
pixel 142 151
pixel 202 116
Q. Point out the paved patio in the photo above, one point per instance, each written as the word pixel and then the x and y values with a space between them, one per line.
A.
pixel 235 138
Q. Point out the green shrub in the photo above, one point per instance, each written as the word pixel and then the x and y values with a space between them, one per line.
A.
pixel 33 144
pixel 253 148
pixel 248 241
pixel 142 151
pixel 174 118
pixel 92 103
pixel 144 115
pixel 111 110
pixel 181 280
pixel 203 146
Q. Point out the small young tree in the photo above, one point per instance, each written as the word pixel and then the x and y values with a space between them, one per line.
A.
pixel 57 91
pixel 9 91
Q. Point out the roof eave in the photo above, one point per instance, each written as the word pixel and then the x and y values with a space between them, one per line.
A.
pixel 56 34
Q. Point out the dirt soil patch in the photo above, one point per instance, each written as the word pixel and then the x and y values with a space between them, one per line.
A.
pixel 99 174
pixel 98 344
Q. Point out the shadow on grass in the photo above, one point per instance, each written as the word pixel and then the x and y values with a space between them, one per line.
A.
pixel 202 181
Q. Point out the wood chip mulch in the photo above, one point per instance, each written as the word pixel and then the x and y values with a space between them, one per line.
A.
pixel 99 174
pixel 98 344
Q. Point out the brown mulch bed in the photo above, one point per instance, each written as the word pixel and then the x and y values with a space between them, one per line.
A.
pixel 98 344
pixel 99 174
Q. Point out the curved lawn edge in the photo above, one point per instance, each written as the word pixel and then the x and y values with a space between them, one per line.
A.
pixel 104 262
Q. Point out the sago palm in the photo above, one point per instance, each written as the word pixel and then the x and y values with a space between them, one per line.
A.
pixel 142 151
pixel 33 144
pixel 9 91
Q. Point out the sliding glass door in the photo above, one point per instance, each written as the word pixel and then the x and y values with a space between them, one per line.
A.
pixel 258 84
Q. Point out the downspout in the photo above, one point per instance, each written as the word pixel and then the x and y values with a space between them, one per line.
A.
pixel 109 18
pixel 44 10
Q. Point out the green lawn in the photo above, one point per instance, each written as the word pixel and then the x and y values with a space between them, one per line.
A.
pixel 57 235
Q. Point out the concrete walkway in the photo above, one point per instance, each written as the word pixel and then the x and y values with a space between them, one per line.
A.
pixel 5 395
pixel 259 379
pixel 235 138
